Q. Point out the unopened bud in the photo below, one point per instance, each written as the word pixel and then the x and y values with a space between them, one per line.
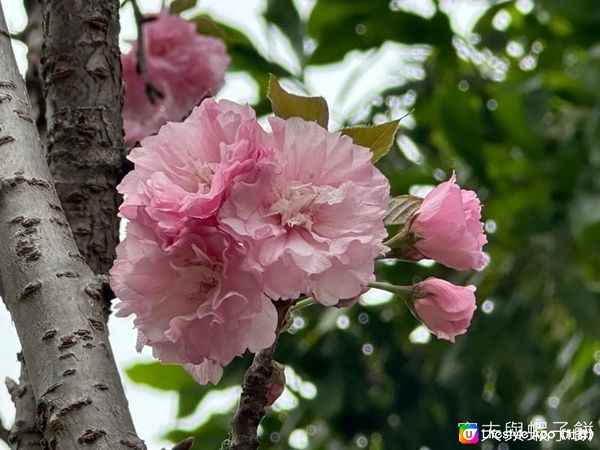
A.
pixel 277 383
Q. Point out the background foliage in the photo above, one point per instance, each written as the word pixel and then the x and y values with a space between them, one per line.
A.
pixel 514 107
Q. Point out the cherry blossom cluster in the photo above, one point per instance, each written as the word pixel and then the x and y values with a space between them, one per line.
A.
pixel 229 224
pixel 182 67
pixel 224 218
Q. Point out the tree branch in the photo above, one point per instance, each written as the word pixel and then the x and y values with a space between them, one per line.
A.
pixel 186 444
pixel 152 93
pixel 24 434
pixel 253 400
pixel 33 37
pixel 54 298
pixel 85 129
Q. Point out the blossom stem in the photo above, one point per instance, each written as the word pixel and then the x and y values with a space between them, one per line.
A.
pixel 394 289
pixel 253 400
pixel 406 294
pixel 304 303
pixel 152 92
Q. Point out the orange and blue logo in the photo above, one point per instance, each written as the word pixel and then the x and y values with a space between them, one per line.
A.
pixel 468 433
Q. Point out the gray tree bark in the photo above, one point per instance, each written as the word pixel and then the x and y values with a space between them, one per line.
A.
pixel 54 298
pixel 243 434
pixel 84 95
pixel 253 402
pixel 24 434
pixel 33 37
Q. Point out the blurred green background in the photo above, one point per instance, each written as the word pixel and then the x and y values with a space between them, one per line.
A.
pixel 508 95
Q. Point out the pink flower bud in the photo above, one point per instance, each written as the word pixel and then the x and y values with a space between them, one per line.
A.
pixel 277 385
pixel 444 308
pixel 182 65
pixel 448 227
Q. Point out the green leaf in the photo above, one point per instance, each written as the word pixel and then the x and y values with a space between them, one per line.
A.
pixel 462 123
pixel 580 11
pixel 401 209
pixel 286 105
pixel 244 56
pixel 340 26
pixel 581 302
pixel 171 378
pixel 175 378
pixel 511 116
pixel 379 138
pixel 160 376
pixel 284 15
pixel 209 435
pixel 179 6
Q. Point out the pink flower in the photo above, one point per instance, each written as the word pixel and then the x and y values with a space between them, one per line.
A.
pixel 313 220
pixel 195 301
pixel 444 308
pixel 185 172
pixel 184 66
pixel 221 213
pixel 448 227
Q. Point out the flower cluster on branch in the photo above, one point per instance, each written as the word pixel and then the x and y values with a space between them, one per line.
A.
pixel 182 66
pixel 224 218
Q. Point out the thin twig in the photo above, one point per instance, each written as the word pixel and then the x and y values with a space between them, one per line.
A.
pixel 152 92
pixel 394 289
pixel 4 433
pixel 253 400
pixel 186 444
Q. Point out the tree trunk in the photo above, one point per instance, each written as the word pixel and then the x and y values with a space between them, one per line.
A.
pixel 54 298
pixel 24 434
pixel 82 78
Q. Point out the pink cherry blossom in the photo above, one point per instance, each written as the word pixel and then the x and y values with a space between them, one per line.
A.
pixel 222 213
pixel 181 65
pixel 185 172
pixel 448 227
pixel 444 308
pixel 313 220
pixel 195 302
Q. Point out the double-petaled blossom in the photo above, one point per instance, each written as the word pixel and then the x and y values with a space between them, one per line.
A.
pixel 313 221
pixel 444 308
pixel 196 300
pixel 186 171
pixel 447 227
pixel 181 64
